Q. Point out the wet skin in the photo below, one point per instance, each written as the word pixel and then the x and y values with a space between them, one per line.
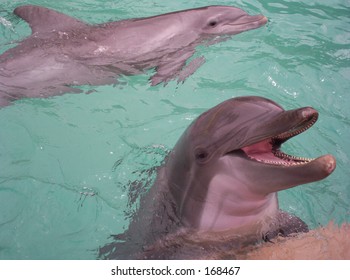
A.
pixel 217 190
pixel 63 51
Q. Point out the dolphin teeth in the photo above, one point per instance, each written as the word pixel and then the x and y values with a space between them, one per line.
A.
pixel 268 150
pixel 290 134
pixel 291 160
pixel 282 159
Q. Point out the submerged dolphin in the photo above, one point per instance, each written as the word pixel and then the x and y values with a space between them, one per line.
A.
pixel 217 191
pixel 63 51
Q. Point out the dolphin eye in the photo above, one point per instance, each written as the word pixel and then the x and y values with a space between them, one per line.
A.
pixel 213 23
pixel 201 155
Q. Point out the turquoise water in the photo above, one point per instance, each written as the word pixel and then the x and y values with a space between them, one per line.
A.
pixel 67 163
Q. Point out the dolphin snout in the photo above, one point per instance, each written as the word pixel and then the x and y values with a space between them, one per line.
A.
pixel 263 19
pixel 329 164
pixel 247 22
pixel 308 113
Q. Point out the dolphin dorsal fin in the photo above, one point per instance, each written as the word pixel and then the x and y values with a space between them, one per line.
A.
pixel 43 19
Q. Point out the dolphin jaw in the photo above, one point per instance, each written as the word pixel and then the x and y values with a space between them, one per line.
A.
pixel 252 22
pixel 268 150
pixel 274 156
pixel 310 117
pixel 260 19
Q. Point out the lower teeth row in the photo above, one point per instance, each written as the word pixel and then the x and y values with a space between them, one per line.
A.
pixel 284 156
pixel 287 159
pixel 290 162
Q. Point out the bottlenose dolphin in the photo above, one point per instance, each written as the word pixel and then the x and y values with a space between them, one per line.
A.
pixel 217 191
pixel 63 51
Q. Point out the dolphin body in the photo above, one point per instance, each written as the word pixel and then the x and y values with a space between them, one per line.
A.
pixel 63 51
pixel 217 192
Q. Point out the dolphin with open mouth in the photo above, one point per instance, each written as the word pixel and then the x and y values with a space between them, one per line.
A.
pixel 217 191
pixel 63 51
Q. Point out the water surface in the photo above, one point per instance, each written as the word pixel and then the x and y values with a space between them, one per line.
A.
pixel 67 163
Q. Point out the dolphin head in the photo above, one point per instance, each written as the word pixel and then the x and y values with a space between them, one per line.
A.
pixel 227 20
pixel 226 168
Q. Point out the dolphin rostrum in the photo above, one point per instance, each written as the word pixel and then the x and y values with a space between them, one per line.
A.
pixel 63 51
pixel 217 191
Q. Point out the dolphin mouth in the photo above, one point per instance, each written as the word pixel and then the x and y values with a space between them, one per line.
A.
pixel 248 20
pixel 268 150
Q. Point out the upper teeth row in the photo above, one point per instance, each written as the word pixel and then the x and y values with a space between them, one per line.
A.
pixel 285 135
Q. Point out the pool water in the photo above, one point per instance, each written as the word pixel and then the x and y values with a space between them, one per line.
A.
pixel 68 164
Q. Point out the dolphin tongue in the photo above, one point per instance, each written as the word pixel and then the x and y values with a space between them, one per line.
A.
pixel 265 152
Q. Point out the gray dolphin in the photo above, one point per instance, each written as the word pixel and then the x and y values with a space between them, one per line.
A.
pixel 63 51
pixel 217 191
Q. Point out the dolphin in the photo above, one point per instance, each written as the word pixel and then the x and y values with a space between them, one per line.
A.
pixel 217 191
pixel 63 51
